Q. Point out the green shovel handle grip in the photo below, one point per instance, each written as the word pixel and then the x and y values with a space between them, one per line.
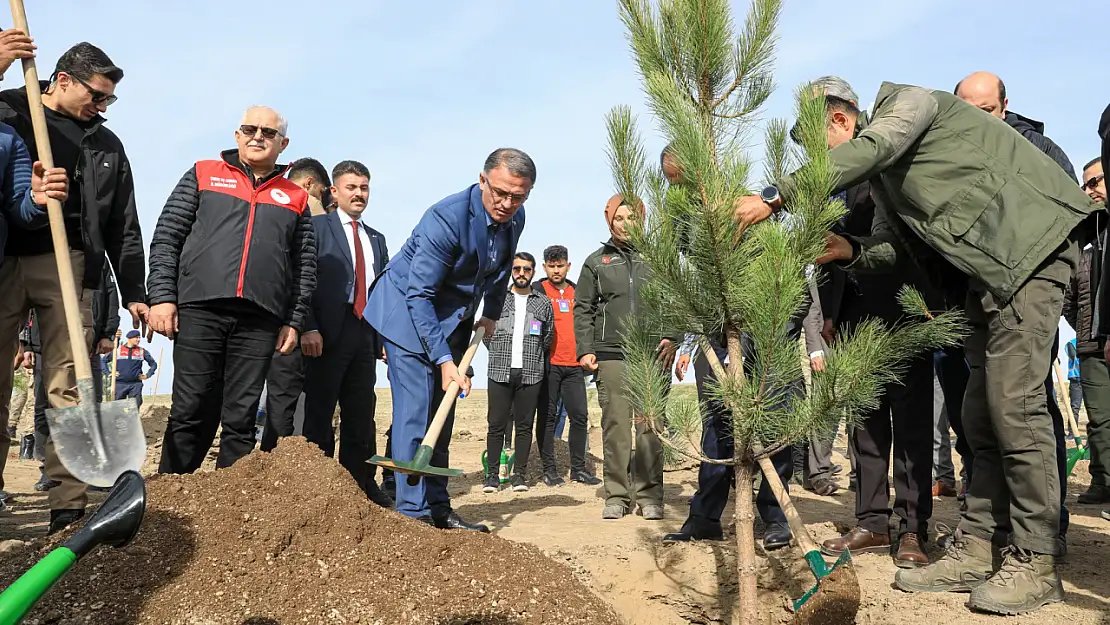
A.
pixel 25 592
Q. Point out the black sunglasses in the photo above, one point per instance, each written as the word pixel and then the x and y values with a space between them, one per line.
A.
pixel 250 130
pixel 98 97
pixel 1093 182
pixel 522 269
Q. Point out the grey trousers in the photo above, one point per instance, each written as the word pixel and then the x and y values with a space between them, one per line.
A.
pixel 943 469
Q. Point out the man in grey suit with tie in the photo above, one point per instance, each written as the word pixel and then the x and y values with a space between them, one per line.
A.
pixel 341 349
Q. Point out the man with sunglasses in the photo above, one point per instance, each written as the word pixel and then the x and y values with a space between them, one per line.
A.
pixel 232 270
pixel 1094 376
pixel 424 305
pixel 101 221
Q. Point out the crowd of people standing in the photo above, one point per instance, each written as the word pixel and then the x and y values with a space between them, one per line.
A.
pixel 266 272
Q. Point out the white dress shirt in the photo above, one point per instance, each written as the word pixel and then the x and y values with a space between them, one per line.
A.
pixel 516 360
pixel 367 250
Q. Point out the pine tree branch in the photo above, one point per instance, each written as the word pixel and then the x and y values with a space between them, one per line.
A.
pixel 664 437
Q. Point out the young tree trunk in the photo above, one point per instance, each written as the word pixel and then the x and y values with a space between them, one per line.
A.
pixel 746 610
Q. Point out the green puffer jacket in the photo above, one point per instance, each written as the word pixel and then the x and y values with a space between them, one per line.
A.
pixel 955 179
pixel 607 293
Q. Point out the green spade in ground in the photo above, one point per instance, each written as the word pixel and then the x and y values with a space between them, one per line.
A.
pixel 115 523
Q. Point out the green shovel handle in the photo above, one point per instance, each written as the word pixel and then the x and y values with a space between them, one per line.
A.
pixel 25 592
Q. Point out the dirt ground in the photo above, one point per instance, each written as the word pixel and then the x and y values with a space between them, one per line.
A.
pixel 647 582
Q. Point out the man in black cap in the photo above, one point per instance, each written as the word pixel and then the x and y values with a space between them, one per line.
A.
pixel 129 369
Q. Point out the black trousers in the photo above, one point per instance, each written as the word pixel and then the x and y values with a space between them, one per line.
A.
pixel 220 360
pixel 568 383
pixel 344 374
pixel 1061 438
pixel 904 418
pixel 520 399
pixel 284 384
pixel 714 480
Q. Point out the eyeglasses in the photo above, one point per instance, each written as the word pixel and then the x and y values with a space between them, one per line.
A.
pixel 1093 182
pixel 500 195
pixel 250 130
pixel 98 97
pixel 522 269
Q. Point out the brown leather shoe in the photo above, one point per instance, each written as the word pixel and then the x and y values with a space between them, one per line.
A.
pixel 909 554
pixel 943 490
pixel 858 540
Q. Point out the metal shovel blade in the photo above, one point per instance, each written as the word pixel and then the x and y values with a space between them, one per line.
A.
pixel 419 467
pixel 834 600
pixel 98 442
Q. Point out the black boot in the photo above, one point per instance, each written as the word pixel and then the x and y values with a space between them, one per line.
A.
pixel 61 519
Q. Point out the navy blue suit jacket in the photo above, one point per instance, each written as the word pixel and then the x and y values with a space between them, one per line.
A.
pixel 435 281
pixel 335 273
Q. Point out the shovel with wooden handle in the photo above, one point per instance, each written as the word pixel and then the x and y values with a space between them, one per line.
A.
pixel 1080 452
pixel 115 364
pixel 836 596
pixel 96 442
pixel 421 464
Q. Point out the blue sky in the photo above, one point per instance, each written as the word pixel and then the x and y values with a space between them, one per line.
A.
pixel 422 91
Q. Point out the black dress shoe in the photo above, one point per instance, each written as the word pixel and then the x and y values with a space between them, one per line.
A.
pixel 585 478
pixel 378 496
pixel 61 519
pixel 691 532
pixel 776 536
pixel 452 521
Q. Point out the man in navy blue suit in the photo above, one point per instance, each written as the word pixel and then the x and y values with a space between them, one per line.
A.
pixel 424 306
pixel 341 351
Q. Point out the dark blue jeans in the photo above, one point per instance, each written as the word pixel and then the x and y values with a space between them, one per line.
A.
pixel 714 481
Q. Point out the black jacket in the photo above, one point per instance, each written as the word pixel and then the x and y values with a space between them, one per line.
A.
pixel 1079 304
pixel 849 298
pixel 1033 130
pixel 1101 321
pixel 110 221
pixel 105 312
pixel 223 236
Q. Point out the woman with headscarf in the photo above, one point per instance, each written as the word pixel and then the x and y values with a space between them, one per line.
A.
pixel 607 294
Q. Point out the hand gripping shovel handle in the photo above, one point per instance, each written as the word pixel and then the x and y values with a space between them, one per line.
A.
pixel 432 435
pixel 422 459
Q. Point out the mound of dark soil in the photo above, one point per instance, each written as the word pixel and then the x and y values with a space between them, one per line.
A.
pixel 287 537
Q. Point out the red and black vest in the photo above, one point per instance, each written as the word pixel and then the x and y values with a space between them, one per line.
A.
pixel 242 242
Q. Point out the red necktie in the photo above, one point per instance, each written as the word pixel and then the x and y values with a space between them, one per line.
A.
pixel 360 273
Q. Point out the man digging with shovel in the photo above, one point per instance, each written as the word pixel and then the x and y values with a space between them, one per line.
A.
pixel 424 305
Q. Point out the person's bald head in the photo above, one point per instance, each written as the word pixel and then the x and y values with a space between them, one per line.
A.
pixel 261 138
pixel 984 90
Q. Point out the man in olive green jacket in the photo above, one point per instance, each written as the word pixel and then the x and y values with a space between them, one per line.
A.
pixel 958 188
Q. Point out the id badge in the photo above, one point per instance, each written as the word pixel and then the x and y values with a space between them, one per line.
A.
pixel 535 328
pixel 564 306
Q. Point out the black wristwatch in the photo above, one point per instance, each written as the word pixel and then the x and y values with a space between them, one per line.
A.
pixel 770 195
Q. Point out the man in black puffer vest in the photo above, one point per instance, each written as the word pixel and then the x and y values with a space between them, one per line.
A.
pixel 232 270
